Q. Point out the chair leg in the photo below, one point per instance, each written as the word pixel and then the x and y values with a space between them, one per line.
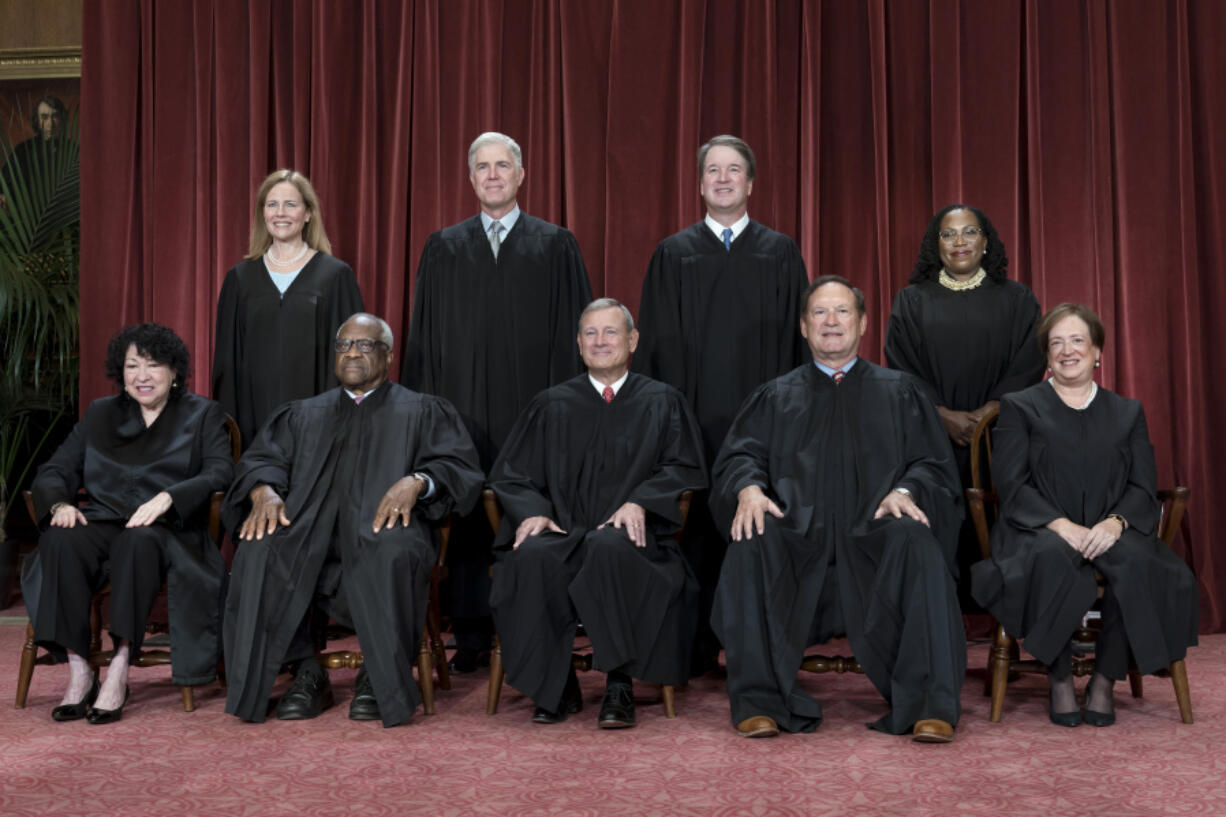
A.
pixel 1135 682
pixel 1000 672
pixel 425 676
pixel 435 637
pixel 1179 679
pixel 26 671
pixel 670 704
pixel 496 678
pixel 189 699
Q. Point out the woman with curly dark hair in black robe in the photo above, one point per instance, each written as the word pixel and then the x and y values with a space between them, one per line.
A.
pixel 148 459
pixel 965 330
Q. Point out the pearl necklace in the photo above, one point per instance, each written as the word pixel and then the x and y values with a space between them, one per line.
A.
pixel 950 282
pixel 305 249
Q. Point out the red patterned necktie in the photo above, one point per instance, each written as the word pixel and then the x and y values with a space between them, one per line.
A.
pixel 838 376
pixel 607 394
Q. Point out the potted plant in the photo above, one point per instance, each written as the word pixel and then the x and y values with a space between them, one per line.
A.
pixel 40 214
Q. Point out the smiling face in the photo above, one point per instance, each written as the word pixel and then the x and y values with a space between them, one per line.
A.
pixel 285 212
pixel 361 371
pixel 725 184
pixel 605 344
pixel 495 179
pixel 1071 353
pixel 832 325
pixel 962 243
pixel 146 380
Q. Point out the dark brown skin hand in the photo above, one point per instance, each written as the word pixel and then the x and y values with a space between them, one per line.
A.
pixel 397 503
pixel 959 425
pixel 267 511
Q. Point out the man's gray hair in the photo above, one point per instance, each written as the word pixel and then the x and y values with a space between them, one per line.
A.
pixel 385 331
pixel 607 303
pixel 495 138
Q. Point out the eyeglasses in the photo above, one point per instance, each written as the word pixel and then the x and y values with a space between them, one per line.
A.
pixel 365 345
pixel 969 233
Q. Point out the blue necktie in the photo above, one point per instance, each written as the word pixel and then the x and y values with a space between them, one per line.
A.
pixel 728 239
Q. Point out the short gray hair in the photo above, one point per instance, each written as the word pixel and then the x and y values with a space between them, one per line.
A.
pixel 495 138
pixel 607 303
pixel 385 331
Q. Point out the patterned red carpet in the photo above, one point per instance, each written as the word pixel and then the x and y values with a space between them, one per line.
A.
pixel 162 761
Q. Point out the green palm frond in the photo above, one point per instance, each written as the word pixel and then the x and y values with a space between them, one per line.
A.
pixel 40 249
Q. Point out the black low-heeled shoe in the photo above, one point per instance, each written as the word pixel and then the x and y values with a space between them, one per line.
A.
pixel 1062 718
pixel 101 716
pixel 1097 718
pixel 74 712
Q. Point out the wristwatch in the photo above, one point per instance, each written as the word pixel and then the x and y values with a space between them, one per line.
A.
pixel 904 492
pixel 1123 522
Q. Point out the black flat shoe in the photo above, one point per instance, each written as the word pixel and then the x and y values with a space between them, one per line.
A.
pixel 363 707
pixel 617 709
pixel 1062 718
pixel 74 712
pixel 307 696
pixel 1097 718
pixel 100 716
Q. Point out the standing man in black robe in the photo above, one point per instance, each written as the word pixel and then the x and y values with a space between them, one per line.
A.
pixel 589 480
pixel 839 488
pixel 718 317
pixel 349 476
pixel 496 301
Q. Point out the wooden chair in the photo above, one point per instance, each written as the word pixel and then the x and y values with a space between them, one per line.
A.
pixel 99 657
pixel 1004 661
pixel 581 661
pixel 431 655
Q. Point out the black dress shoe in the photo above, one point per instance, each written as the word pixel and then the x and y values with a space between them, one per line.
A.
pixel 572 703
pixel 363 707
pixel 100 716
pixel 74 712
pixel 617 709
pixel 468 660
pixel 307 696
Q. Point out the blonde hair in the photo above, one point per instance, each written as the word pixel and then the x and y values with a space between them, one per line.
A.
pixel 312 233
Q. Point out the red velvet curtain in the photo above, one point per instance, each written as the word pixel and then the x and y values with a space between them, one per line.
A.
pixel 1087 131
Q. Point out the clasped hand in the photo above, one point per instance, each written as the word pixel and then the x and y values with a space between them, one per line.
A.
pixel 1089 542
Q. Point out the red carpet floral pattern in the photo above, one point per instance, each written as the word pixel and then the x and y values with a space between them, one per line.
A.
pixel 162 761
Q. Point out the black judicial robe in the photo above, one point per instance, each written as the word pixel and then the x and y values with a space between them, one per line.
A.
pixel 332 461
pixel 1049 461
pixel 122 463
pixel 966 347
pixel 716 324
pixel 576 459
pixel 488 334
pixel 272 349
pixel 828 454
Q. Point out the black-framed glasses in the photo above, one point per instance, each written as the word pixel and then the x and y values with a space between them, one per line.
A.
pixel 365 345
pixel 969 233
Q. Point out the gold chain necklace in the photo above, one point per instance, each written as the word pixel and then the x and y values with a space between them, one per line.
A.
pixel 950 282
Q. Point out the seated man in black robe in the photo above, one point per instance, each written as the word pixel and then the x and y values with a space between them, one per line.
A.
pixel 589 480
pixel 839 488
pixel 346 479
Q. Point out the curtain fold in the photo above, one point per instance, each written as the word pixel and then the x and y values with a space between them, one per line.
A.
pixel 1088 131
